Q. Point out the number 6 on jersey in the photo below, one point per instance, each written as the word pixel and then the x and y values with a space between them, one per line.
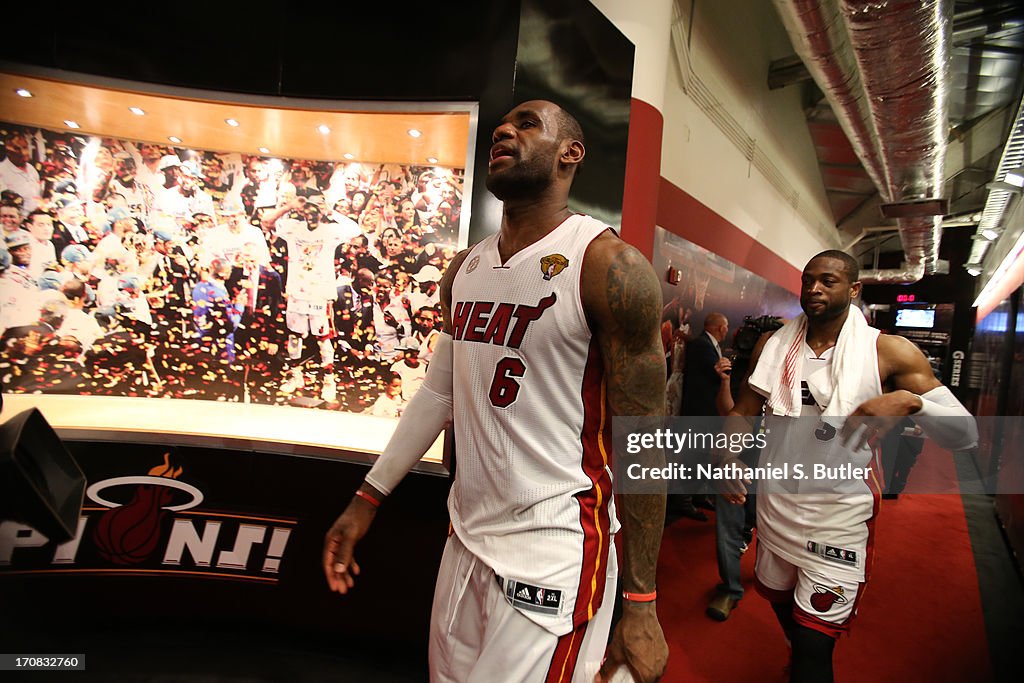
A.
pixel 504 387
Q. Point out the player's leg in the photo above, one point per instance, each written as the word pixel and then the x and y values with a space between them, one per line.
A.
pixel 516 648
pixel 298 324
pixel 321 328
pixel 455 627
pixel 812 656
pixel 775 579
pixel 824 604
pixel 477 636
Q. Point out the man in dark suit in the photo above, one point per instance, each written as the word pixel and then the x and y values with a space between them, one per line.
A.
pixel 706 391
pixel 701 385
pixel 701 382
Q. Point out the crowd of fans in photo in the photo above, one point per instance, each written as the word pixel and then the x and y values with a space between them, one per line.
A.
pixel 138 269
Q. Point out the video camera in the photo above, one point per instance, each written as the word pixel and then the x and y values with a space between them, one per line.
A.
pixel 752 329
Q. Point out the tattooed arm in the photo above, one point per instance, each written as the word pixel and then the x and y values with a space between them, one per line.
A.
pixel 622 298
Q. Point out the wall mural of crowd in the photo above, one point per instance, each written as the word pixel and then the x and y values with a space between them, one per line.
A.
pixel 138 269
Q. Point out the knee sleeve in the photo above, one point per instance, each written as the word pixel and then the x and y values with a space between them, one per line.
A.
pixel 812 656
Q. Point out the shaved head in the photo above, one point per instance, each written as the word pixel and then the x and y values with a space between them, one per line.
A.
pixel 850 265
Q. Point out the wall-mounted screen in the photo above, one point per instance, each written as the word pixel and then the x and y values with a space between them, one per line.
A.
pixel 917 318
pixel 191 265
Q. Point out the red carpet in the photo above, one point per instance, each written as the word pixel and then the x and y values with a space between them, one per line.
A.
pixel 920 619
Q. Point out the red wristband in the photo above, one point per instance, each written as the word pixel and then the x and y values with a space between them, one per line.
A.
pixel 640 597
pixel 368 498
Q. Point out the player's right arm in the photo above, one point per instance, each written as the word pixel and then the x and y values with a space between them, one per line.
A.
pixel 423 419
pixel 271 219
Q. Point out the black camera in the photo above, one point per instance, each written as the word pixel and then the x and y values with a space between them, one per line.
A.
pixel 752 329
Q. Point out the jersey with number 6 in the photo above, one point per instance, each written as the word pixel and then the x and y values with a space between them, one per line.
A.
pixel 532 491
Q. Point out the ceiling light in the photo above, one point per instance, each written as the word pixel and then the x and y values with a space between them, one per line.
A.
pixel 21 92
pixel 264 150
pixel 175 139
pixel 432 160
pixel 973 268
pixel 989 234
pixel 71 124
pixel 413 133
pixel 1015 176
pixel 348 155
pixel 323 129
pixel 231 122
pixel 136 111
pixel 1002 186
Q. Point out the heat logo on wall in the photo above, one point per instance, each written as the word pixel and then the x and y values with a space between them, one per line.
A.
pixel 153 524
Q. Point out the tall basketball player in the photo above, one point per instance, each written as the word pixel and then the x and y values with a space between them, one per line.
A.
pixel 829 383
pixel 551 327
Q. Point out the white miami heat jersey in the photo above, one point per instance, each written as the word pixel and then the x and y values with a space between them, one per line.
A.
pixel 532 491
pixel 796 519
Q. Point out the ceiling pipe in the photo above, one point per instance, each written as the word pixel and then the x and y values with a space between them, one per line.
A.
pixel 884 69
pixel 867 231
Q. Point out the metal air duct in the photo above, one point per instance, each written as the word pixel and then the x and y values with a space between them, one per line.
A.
pixel 883 66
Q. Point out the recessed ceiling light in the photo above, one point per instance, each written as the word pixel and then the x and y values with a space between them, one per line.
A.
pixel 413 133
pixel 348 155
pixel 175 139
pixel 21 92
pixel 136 111
pixel 231 122
pixel 264 150
pixel 72 124
pixel 432 160
pixel 323 129
pixel 989 234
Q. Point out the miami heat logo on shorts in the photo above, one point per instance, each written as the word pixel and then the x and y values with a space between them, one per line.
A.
pixel 824 597
pixel 553 264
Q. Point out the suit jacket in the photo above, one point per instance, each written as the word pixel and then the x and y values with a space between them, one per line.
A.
pixel 700 381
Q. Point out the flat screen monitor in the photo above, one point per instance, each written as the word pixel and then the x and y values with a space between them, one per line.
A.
pixel 916 318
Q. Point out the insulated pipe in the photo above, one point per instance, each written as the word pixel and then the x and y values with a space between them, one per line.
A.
pixel 884 68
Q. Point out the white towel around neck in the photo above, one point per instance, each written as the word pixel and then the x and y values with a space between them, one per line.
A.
pixel 850 360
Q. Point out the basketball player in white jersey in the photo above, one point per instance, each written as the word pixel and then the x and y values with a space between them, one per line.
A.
pixel 311 289
pixel 813 550
pixel 551 327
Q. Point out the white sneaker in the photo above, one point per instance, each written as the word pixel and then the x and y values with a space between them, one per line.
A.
pixel 294 382
pixel 329 392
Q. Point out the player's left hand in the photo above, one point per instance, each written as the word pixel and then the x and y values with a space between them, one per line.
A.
pixel 638 643
pixel 876 417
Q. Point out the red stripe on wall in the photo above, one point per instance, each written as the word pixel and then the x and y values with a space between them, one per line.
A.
pixel 682 214
pixel 643 169
pixel 594 518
